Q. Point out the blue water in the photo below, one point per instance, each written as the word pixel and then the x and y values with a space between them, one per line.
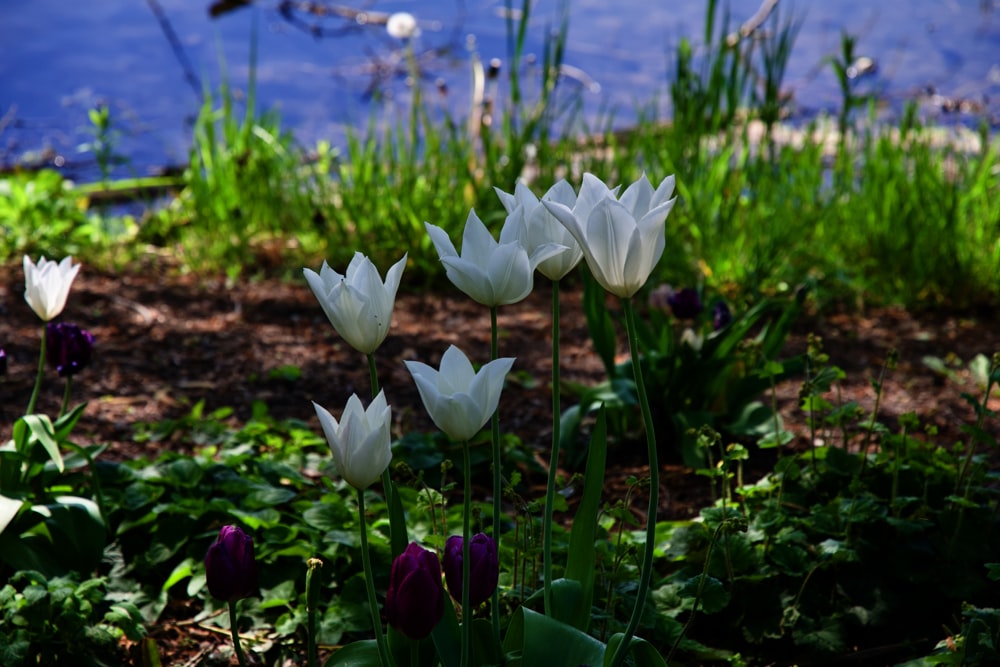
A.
pixel 58 59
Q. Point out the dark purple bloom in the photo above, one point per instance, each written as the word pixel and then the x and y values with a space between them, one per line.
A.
pixel 685 303
pixel 68 347
pixel 230 568
pixel 3 362
pixel 484 567
pixel 721 315
pixel 414 602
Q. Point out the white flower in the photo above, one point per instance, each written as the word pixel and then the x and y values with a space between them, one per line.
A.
pixel 358 305
pixel 459 400
pixel 494 274
pixel 402 25
pixel 360 442
pixel 46 285
pixel 531 223
pixel 622 239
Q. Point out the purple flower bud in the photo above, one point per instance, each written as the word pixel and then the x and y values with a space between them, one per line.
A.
pixel 685 303
pixel 484 567
pixel 414 602
pixel 68 347
pixel 721 315
pixel 3 362
pixel 230 568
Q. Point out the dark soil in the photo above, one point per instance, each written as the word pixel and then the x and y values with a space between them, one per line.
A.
pixel 165 342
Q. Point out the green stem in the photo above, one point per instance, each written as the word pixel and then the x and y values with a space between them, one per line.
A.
pixel 654 487
pixel 65 402
pixel 312 601
pixel 38 378
pixel 550 489
pixel 236 635
pixel 414 653
pixel 373 374
pixel 366 561
pixel 497 476
pixel 388 488
pixel 466 558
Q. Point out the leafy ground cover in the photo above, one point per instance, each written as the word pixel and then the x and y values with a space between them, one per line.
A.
pixel 193 358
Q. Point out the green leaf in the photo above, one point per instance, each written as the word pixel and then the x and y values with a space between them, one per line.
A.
pixel 357 654
pixel 534 639
pixel 714 597
pixel 644 653
pixel 183 570
pixel 580 559
pixel 9 507
pixel 41 427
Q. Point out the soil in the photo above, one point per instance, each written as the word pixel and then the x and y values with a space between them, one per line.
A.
pixel 165 342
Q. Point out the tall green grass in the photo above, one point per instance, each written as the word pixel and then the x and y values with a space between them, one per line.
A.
pixel 879 213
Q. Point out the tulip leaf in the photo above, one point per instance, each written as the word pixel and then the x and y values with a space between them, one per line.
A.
pixel 9 507
pixel 67 535
pixel 535 639
pixel 446 637
pixel 643 653
pixel 356 654
pixel 580 561
pixel 41 428
pixel 397 520
pixel 64 424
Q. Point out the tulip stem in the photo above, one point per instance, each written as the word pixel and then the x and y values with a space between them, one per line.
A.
pixel 65 402
pixel 387 487
pixel 550 488
pixel 234 629
pixel 497 478
pixel 466 558
pixel 366 561
pixel 654 487
pixel 38 378
pixel 312 601
pixel 373 374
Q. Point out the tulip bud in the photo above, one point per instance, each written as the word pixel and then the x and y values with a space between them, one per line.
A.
pixel 685 303
pixel 230 568
pixel 484 567
pixel 721 315
pixel 414 602
pixel 68 347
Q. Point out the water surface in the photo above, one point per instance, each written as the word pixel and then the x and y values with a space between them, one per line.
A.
pixel 58 59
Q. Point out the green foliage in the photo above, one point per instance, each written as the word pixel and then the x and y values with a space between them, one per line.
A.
pixel 39 215
pixel 53 621
pixel 695 375
pixel 46 524
pixel 838 549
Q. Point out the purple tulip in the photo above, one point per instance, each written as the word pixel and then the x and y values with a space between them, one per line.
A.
pixel 685 303
pixel 68 347
pixel 3 362
pixel 721 315
pixel 230 568
pixel 414 602
pixel 484 567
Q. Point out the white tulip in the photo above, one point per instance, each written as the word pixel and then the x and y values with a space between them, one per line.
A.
pixel 458 399
pixel 531 223
pixel 46 285
pixel 359 305
pixel 360 442
pixel 622 239
pixel 491 273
